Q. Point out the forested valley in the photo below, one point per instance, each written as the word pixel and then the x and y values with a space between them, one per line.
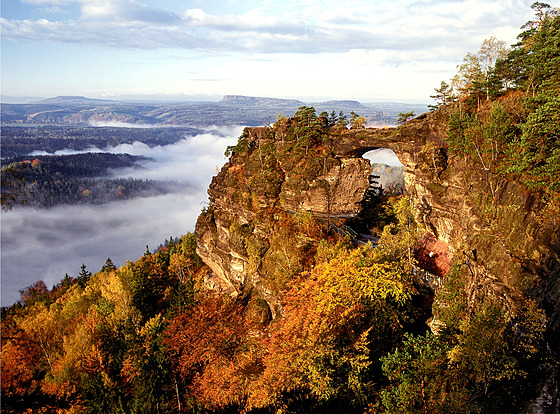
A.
pixel 75 175
pixel 359 329
pixel 24 140
pixel 50 180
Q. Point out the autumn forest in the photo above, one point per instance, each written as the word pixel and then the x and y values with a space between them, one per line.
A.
pixel 322 320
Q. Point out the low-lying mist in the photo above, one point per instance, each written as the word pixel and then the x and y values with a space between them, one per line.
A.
pixel 189 160
pixel 47 243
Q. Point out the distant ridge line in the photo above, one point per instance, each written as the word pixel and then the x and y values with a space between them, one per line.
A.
pixel 72 100
pixel 255 100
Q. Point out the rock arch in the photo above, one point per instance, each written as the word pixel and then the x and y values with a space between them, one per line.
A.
pixel 355 143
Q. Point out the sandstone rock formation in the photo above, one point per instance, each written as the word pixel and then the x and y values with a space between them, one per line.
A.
pixel 265 176
pixel 492 226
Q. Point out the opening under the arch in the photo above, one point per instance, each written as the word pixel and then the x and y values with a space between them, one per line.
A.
pixel 383 156
pixel 387 170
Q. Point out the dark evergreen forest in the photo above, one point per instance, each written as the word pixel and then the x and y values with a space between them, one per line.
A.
pixel 22 140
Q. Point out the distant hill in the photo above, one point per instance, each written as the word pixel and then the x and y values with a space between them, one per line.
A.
pixel 252 100
pixel 340 104
pixel 231 110
pixel 74 100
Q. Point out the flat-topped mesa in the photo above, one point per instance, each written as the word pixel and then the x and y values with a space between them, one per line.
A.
pixel 256 101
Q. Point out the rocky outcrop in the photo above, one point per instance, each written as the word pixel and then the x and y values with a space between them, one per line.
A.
pixel 267 176
pixel 506 246
pixel 494 226
pixel 506 249
pixel 491 224
pixel 270 172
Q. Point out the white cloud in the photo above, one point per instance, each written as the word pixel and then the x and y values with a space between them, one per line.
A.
pixel 313 28
pixel 126 11
pixel 50 2
pixel 396 49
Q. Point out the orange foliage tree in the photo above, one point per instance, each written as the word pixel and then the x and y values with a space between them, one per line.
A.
pixel 212 352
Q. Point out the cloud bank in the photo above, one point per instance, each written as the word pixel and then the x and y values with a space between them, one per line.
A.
pixel 312 50
pixel 284 27
pixel 46 244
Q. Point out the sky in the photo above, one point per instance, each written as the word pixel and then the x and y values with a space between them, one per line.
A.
pixel 372 50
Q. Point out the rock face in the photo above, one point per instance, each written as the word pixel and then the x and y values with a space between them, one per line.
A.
pixel 268 176
pixel 492 226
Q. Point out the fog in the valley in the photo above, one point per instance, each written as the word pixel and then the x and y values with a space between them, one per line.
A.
pixel 118 124
pixel 193 160
pixel 44 244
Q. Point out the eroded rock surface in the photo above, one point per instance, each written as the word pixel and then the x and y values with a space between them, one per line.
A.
pixel 492 226
pixel 267 180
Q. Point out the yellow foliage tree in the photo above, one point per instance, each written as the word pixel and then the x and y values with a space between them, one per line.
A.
pixel 335 316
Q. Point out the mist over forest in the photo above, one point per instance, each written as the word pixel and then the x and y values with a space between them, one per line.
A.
pixel 45 244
